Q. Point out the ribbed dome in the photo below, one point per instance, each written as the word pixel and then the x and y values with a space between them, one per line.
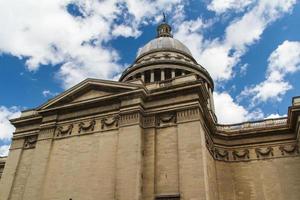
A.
pixel 163 43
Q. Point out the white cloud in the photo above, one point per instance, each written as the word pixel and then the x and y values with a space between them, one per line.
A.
pixel 274 116
pixel 6 129
pixel 284 60
pixel 4 150
pixel 229 112
pixel 48 93
pixel 126 31
pixel 221 6
pixel 45 33
pixel 220 55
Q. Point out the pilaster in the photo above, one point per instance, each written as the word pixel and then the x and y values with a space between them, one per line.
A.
pixel 11 167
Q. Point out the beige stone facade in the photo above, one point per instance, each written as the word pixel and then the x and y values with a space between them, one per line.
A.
pixel 151 135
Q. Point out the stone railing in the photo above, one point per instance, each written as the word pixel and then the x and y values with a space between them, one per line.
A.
pixel 268 123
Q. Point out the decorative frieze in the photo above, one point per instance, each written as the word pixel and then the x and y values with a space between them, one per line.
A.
pixel 166 119
pixel 253 153
pixel 90 126
pixel 64 131
pixel 30 141
pixel 292 149
pixel 264 152
pixel 221 154
pixel 240 154
pixel 46 132
pixel 129 119
pixel 110 122
pixel 149 121
pixel 188 115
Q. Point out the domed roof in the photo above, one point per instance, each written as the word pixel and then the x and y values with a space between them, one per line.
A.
pixel 162 43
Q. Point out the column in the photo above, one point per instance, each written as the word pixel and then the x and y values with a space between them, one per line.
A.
pixel 143 76
pixel 152 76
pixel 162 74
pixel 173 73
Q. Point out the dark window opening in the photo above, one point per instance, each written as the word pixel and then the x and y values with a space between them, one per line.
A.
pixel 147 76
pixel 138 76
pixel 157 75
pixel 168 74
pixel 177 72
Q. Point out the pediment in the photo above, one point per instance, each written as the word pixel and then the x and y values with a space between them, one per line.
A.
pixel 88 90
pixel 90 94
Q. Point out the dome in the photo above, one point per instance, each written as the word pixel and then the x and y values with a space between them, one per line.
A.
pixel 163 59
pixel 164 43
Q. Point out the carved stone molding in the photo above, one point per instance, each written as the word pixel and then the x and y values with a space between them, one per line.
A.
pixel 289 149
pixel 221 154
pixel 166 119
pixel 188 114
pixel 149 121
pixel 131 118
pixel 64 131
pixel 110 122
pixel 30 141
pixel 240 154
pixel 86 126
pixel 264 152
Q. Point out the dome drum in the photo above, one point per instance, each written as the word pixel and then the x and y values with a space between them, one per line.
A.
pixel 163 71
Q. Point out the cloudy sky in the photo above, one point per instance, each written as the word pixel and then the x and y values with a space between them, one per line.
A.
pixel 251 48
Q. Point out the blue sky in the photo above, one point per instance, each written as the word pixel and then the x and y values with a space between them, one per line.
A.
pixel 250 47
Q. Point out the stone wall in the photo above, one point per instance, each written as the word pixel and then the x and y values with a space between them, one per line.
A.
pixel 272 179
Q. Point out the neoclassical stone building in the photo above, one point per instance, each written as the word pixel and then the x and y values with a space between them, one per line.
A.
pixel 153 135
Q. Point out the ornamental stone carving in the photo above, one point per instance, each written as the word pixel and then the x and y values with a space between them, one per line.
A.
pixel 264 152
pixel 86 126
pixel 30 141
pixel 292 149
pixel 240 154
pixel 149 121
pixel 129 119
pixel 188 115
pixel 64 131
pixel 221 154
pixel 110 122
pixel 166 119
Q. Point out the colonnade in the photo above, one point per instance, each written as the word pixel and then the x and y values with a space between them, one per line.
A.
pixel 154 75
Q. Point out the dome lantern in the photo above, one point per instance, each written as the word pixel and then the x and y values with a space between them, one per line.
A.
pixel 164 29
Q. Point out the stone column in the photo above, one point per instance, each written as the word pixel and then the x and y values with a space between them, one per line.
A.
pixel 152 76
pixel 162 74
pixel 143 76
pixel 173 73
